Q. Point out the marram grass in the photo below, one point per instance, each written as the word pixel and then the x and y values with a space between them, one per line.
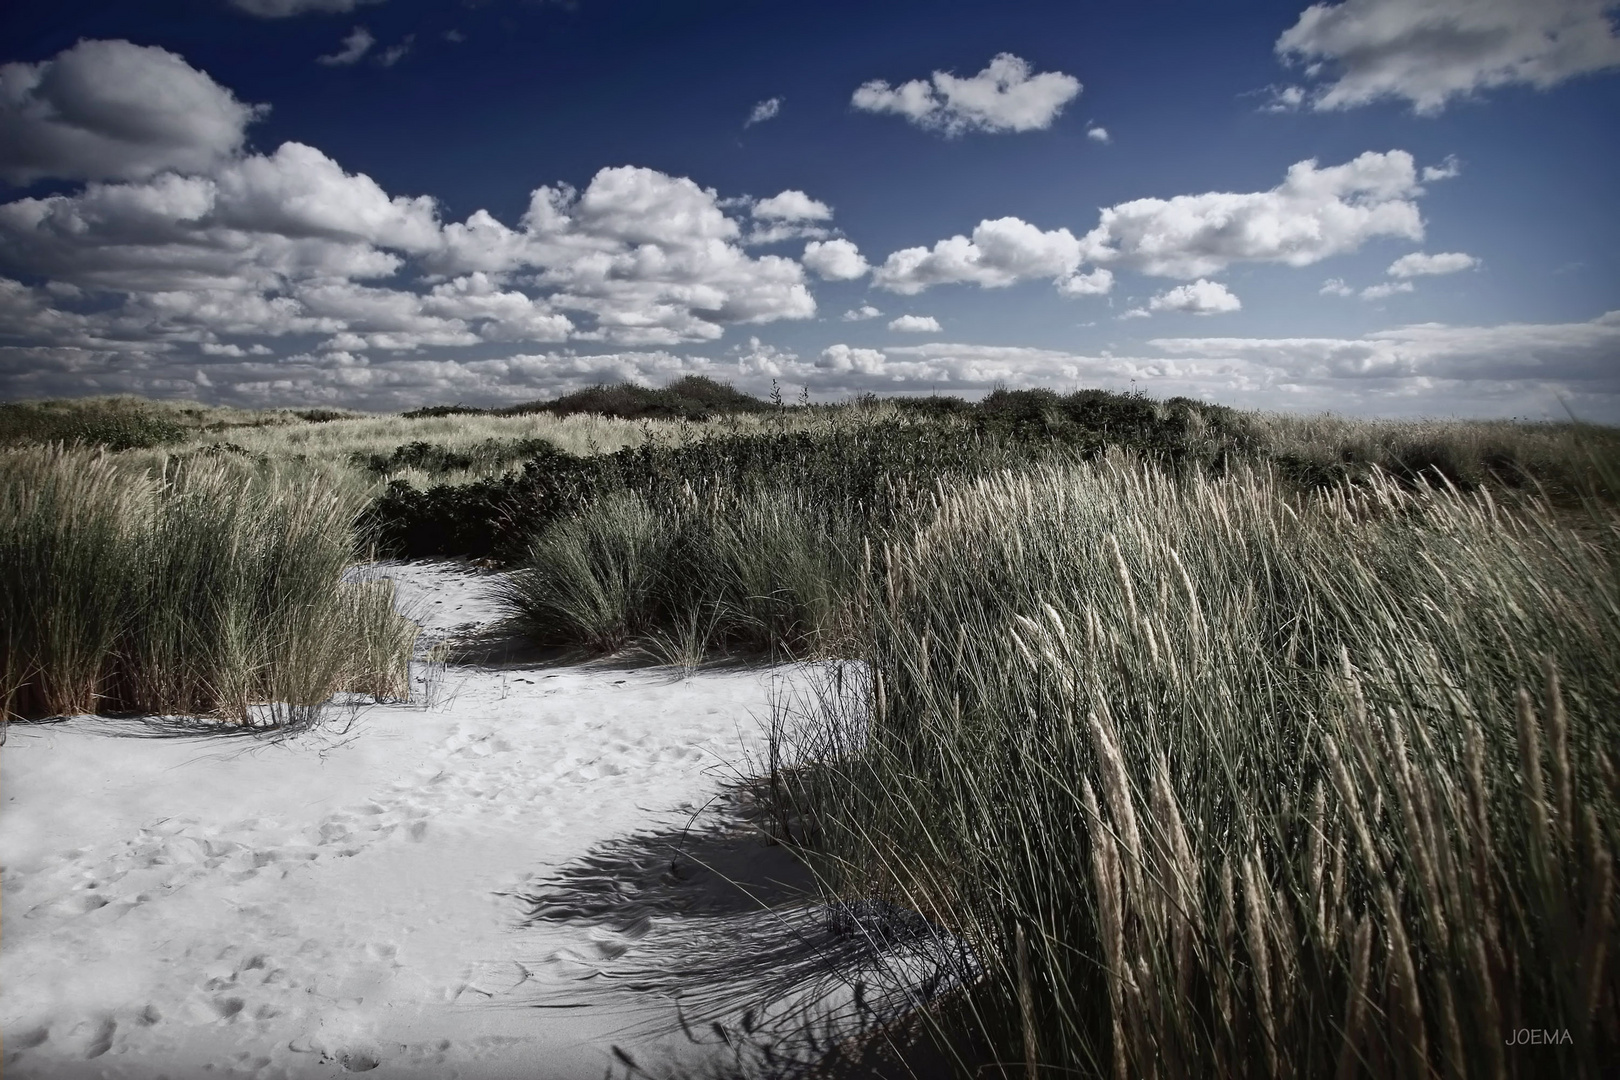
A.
pixel 197 588
pixel 1265 785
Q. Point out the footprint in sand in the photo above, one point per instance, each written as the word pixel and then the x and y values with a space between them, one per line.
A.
pixel 91 1038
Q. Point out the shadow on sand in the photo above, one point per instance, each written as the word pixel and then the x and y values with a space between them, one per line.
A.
pixel 725 939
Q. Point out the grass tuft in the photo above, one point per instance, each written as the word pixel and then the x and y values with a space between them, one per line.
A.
pixel 198 589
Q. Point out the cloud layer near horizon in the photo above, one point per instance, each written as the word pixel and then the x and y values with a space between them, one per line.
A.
pixel 1525 370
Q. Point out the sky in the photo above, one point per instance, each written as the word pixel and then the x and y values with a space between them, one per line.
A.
pixel 1373 207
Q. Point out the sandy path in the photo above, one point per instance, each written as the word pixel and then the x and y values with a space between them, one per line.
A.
pixel 357 899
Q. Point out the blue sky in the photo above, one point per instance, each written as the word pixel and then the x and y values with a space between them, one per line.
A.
pixel 1397 207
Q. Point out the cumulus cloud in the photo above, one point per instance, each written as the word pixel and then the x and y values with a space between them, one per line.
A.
pixel 792 206
pixel 1419 264
pixel 835 260
pixel 1003 97
pixel 1429 52
pixel 1201 297
pixel 790 215
pixel 281 9
pixel 113 110
pixel 763 111
pixel 1097 283
pixel 653 258
pixel 999 253
pixel 356 45
pixel 1336 287
pixel 1098 133
pixel 1385 290
pixel 1314 213
pixel 843 358
pixel 281 244
pixel 916 324
pixel 865 311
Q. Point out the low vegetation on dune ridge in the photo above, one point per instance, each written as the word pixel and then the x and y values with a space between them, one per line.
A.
pixel 199 589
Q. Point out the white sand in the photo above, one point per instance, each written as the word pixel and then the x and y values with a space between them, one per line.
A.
pixel 354 899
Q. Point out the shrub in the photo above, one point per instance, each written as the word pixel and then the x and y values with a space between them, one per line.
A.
pixel 876 470
pixel 115 425
pixel 691 398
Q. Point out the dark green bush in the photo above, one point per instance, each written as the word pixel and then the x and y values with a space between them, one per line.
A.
pixel 875 469
pixel 432 411
pixel 435 458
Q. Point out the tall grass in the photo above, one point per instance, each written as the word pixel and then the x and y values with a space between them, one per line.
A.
pixel 756 571
pixel 200 588
pixel 1220 780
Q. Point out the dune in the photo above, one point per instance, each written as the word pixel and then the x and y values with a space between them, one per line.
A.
pixel 532 870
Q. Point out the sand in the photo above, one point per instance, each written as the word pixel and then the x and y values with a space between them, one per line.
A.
pixel 531 870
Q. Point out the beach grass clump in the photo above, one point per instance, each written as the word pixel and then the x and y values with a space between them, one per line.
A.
pixel 200 588
pixel 752 571
pixel 1222 779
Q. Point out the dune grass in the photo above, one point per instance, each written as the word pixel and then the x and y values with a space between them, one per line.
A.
pixel 757 572
pixel 202 588
pixel 1221 780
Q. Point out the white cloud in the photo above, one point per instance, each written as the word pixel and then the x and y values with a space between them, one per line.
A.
pixel 788 215
pixel 835 260
pixel 1000 253
pixel 1098 133
pixel 1568 353
pixel 768 361
pixel 652 257
pixel 356 45
pixel 865 311
pixel 916 324
pixel 257 223
pixel 276 245
pixel 1418 264
pixel 1517 370
pixel 281 9
pixel 110 109
pixel 395 53
pixel 1429 52
pixel 763 111
pixel 792 206
pixel 1335 287
pixel 842 358
pixel 1097 283
pixel 1446 170
pixel 1200 297
pixel 1385 290
pixel 1284 99
pixel 1313 214
pixel 1002 97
